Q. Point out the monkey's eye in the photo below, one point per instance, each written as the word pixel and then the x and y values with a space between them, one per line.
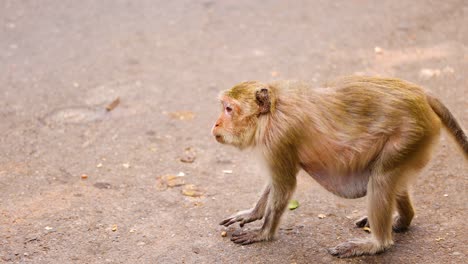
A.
pixel 228 109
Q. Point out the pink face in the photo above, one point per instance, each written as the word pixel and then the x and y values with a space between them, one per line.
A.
pixel 223 127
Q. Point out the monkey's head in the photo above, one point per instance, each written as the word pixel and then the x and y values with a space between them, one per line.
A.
pixel 242 106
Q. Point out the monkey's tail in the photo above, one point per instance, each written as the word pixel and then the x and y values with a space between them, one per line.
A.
pixel 449 122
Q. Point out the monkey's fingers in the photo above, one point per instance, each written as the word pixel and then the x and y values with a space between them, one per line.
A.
pixel 231 220
pixel 224 221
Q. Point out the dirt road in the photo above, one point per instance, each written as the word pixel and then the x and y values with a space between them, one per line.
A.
pixel 79 184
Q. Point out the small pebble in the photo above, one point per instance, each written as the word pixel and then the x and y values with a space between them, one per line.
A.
pixel 378 50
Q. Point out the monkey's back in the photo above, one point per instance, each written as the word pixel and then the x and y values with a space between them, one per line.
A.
pixel 355 119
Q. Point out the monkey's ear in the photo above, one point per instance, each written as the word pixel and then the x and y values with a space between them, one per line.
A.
pixel 263 100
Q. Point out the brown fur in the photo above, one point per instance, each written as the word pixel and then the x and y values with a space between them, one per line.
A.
pixel 358 136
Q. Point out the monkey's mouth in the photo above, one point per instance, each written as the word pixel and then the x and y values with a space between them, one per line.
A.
pixel 219 138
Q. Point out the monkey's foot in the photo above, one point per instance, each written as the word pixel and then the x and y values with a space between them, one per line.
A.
pixel 362 222
pixel 355 248
pixel 247 237
pixel 399 225
pixel 243 217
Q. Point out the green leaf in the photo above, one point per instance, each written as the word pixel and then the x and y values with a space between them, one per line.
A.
pixel 293 204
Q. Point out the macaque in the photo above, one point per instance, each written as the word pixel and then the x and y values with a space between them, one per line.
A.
pixel 358 136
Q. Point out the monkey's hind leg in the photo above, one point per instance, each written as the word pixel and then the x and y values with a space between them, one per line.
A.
pixel 381 200
pixel 405 211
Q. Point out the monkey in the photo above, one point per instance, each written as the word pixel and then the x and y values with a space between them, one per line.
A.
pixel 357 136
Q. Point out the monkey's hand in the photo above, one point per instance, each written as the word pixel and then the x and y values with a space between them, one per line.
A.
pixel 243 217
pixel 248 237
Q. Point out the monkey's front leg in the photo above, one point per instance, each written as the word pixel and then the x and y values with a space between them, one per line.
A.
pixel 252 214
pixel 278 200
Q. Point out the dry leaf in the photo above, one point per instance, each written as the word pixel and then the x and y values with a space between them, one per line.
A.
pixel 188 159
pixel 84 176
pixel 182 115
pixel 174 181
pixel 163 182
pixel 113 105
pixel 192 191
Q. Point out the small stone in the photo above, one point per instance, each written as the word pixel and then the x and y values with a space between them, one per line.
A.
pixel 99 165
pixel 48 228
pixel 227 171
pixel 428 73
pixel 224 234
pixel 84 176
pixel 114 228
pixel 321 216
pixel 126 165
pixel 258 53
pixel 378 50
pixel 448 70
pixel 196 250
pixel 445 195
